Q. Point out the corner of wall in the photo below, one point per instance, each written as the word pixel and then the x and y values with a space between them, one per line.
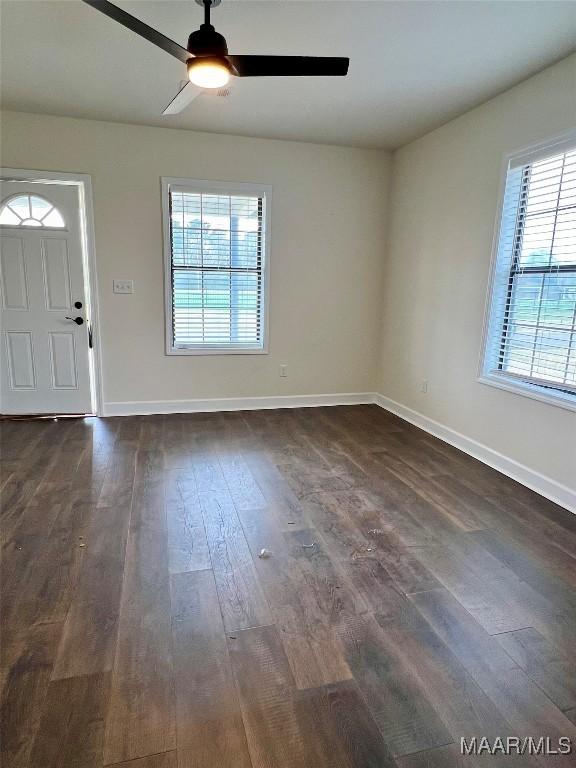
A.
pixel 386 248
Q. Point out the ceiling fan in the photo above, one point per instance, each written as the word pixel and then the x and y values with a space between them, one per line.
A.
pixel 207 59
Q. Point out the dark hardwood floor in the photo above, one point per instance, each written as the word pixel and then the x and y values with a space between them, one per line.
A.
pixel 413 596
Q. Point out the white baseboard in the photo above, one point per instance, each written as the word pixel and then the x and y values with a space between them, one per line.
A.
pixel 545 486
pixel 141 408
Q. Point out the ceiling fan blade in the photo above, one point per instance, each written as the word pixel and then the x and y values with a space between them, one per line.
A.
pixel 150 34
pixel 185 95
pixel 271 66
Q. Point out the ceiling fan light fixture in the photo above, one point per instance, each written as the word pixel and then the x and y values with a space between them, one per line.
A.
pixel 208 72
pixel 208 61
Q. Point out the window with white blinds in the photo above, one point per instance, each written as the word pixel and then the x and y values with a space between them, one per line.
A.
pixel 216 267
pixel 531 335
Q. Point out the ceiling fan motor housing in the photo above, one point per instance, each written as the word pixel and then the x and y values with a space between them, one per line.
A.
pixel 207 42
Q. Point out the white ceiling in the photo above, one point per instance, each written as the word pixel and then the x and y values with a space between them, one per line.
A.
pixel 414 65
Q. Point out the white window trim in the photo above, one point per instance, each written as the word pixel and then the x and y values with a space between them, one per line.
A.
pixel 504 381
pixel 221 187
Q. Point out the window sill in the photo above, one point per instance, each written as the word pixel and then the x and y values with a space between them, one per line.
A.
pixel 533 391
pixel 217 351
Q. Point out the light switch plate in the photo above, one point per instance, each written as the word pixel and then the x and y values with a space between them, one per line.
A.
pixel 123 286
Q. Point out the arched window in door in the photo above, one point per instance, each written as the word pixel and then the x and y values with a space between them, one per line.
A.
pixel 30 211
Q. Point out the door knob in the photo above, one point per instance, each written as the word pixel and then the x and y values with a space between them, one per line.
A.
pixel 77 320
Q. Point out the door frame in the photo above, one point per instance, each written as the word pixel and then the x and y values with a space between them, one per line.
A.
pixel 83 182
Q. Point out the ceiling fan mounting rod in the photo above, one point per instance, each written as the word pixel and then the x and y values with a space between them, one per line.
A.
pixel 208 5
pixel 206 41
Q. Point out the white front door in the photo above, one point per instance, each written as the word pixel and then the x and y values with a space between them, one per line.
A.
pixel 44 349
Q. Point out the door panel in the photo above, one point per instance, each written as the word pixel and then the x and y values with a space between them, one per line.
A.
pixel 56 274
pixel 63 360
pixel 13 274
pixel 21 359
pixel 44 353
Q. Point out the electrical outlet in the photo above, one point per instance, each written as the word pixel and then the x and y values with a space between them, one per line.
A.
pixel 123 286
pixel 283 371
pixel 424 386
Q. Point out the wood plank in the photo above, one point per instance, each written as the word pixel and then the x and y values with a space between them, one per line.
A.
pixel 499 582
pixel 244 489
pixel 68 482
pixel 339 729
pixel 323 442
pixel 141 716
pixel 478 651
pixel 327 727
pixel 441 757
pixel 396 492
pixel 333 596
pixel 206 466
pixel 128 432
pixel 187 544
pixel 353 528
pixel 377 588
pixel 47 456
pixel 490 605
pixel 553 672
pixel 241 597
pixel 275 489
pixel 517 503
pixel 430 488
pixel 118 483
pixel 310 646
pixel 266 689
pixel 96 449
pixel 398 702
pixel 516 536
pixel 72 729
pixel 405 448
pixel 19 438
pixel 336 517
pixel 526 708
pixel 30 533
pixel 26 669
pixel 178 441
pixel 88 642
pixel 43 589
pixel 456 697
pixel 210 732
pixel 363 474
pixel 161 760
pixel 555 621
pixel 305 475
pixel 533 568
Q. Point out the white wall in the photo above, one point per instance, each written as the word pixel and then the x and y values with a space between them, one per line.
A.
pixel 327 229
pixel 328 243
pixel 444 199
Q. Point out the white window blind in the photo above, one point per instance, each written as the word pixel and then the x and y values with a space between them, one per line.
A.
pixel 217 263
pixel 532 324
